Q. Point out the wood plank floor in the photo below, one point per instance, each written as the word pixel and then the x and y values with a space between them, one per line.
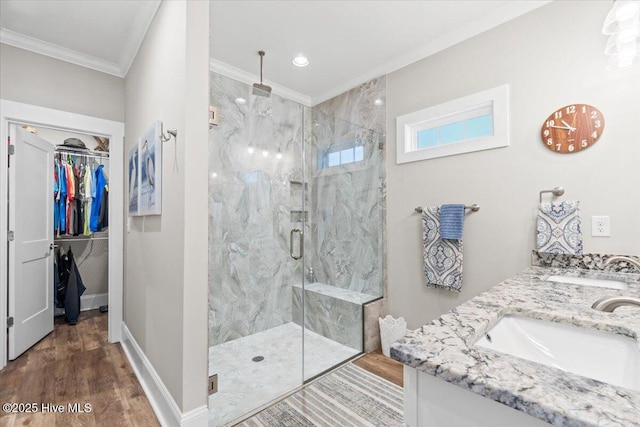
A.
pixel 385 367
pixel 75 364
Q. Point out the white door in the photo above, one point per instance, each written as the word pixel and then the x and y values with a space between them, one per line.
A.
pixel 31 250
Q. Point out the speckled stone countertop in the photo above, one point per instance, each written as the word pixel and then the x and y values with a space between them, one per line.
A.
pixel 444 348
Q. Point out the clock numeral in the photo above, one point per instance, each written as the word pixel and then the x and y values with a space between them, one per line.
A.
pixel 550 123
pixel 558 114
pixel 594 134
pixel 571 109
pixel 584 109
pixel 597 124
pixel 549 141
pixel 546 132
pixel 583 143
pixel 571 147
pixel 594 114
pixel 558 146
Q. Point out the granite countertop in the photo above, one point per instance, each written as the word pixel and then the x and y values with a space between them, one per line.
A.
pixel 443 348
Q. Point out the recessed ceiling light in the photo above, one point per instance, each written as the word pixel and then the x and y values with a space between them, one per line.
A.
pixel 300 61
pixel 240 101
pixel 378 101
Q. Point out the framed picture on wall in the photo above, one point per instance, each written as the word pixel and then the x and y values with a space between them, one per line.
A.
pixel 150 172
pixel 134 181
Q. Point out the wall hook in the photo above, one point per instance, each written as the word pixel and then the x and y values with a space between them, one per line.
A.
pixel 170 133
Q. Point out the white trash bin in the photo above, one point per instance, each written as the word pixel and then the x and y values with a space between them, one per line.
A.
pixel 391 330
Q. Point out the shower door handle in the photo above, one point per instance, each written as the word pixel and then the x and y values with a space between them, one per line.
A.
pixel 301 243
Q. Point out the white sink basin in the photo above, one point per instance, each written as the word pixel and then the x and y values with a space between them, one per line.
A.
pixel 586 281
pixel 610 358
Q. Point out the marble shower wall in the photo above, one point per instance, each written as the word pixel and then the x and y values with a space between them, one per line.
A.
pixel 254 202
pixel 251 199
pixel 347 201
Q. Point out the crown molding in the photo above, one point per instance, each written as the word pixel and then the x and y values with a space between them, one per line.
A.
pixel 137 33
pixel 54 51
pixel 248 78
pixel 506 13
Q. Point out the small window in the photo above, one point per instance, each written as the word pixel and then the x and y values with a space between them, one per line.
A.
pixel 340 154
pixel 473 123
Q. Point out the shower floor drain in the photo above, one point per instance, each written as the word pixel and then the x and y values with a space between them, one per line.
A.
pixel 258 359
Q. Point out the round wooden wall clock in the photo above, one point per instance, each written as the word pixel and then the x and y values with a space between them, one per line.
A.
pixel 572 128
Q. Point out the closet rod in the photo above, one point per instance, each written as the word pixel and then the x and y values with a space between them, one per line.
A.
pixel 76 153
pixel 79 240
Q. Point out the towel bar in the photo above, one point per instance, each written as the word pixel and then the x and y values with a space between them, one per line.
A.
pixel 474 208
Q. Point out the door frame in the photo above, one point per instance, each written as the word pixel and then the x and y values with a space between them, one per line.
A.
pixel 19 113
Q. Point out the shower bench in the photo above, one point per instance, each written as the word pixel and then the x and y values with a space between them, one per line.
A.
pixel 333 312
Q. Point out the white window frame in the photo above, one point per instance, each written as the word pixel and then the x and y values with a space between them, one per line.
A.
pixel 408 126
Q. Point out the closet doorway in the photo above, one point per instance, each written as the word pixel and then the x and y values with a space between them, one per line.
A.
pixel 35 151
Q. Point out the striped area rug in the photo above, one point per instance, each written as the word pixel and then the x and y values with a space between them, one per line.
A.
pixel 350 396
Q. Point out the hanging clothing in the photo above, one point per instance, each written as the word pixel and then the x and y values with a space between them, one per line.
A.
pixel 100 188
pixel 62 200
pixel 88 199
pixel 80 193
pixel 69 286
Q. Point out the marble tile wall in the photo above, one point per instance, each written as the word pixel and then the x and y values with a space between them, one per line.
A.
pixel 254 201
pixel 251 197
pixel 347 201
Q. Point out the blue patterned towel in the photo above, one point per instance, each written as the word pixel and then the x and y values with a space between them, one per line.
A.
pixel 559 228
pixel 451 221
pixel 442 258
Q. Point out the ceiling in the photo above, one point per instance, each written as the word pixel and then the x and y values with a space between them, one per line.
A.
pixel 347 42
pixel 100 34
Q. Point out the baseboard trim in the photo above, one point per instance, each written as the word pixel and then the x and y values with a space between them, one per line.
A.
pixel 93 302
pixel 163 404
pixel 87 302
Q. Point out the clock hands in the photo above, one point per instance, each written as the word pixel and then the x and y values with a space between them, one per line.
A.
pixel 569 128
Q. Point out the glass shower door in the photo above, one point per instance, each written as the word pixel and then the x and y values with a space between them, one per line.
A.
pixel 343 243
pixel 256 233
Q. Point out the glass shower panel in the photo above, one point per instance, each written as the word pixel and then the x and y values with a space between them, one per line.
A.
pixel 256 202
pixel 343 244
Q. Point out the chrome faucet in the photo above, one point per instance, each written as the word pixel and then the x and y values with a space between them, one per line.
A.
pixel 608 304
pixel 631 261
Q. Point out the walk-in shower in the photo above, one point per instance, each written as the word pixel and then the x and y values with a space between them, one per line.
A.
pixel 291 188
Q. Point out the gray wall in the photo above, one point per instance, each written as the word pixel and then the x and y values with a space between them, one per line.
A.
pixel 35 79
pixel 551 57
pixel 165 277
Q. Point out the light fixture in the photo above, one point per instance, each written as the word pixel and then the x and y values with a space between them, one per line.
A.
pixel 300 61
pixel 214 174
pixel 378 102
pixel 250 149
pixel 622 25
pixel 279 154
pixel 265 153
pixel 240 101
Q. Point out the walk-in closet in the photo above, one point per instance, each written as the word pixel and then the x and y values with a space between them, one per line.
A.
pixel 77 166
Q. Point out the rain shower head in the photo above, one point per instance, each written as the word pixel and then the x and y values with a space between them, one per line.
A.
pixel 261 89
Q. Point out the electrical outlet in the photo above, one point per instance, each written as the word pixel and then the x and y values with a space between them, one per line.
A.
pixel 600 226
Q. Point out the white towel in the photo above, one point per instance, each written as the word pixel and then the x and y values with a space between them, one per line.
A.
pixel 442 257
pixel 559 229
